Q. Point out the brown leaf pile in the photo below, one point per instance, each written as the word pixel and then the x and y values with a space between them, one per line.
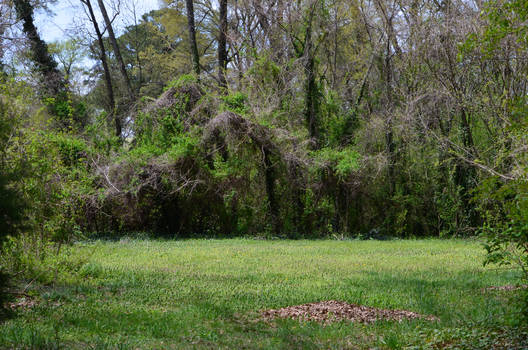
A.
pixel 333 311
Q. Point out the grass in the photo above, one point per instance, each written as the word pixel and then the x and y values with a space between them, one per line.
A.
pixel 206 294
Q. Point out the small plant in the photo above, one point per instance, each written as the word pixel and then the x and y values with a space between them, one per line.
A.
pixel 183 80
pixel 236 102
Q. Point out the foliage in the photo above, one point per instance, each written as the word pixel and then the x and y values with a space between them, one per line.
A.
pixel 10 205
pixel 236 102
pixel 344 162
pixel 502 200
pixel 49 173
pixel 505 206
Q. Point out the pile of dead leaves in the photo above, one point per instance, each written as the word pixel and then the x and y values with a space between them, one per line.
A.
pixel 334 311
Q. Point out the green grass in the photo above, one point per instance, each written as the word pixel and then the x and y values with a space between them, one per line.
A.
pixel 206 293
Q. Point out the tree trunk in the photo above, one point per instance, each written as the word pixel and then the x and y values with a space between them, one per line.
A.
pixel 53 81
pixel 389 135
pixel 2 53
pixel 107 76
pixel 391 33
pixel 117 52
pixel 269 174
pixel 311 108
pixel 465 174
pixel 192 36
pixel 222 45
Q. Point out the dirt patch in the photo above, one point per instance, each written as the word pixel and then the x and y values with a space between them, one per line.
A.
pixel 506 288
pixel 333 311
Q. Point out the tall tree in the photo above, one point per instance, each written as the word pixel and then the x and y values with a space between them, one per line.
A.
pixel 115 46
pixel 306 48
pixel 222 44
pixel 192 36
pixel 311 103
pixel 106 69
pixel 53 81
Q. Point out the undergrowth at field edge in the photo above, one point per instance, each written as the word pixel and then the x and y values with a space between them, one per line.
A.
pixel 207 293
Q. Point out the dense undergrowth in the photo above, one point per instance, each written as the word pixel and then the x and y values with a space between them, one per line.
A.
pixel 198 163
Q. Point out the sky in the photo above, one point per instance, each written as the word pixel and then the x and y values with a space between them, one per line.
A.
pixel 65 13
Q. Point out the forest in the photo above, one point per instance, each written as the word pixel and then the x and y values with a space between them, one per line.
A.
pixel 397 122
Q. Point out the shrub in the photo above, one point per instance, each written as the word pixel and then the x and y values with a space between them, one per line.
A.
pixel 10 204
pixel 504 205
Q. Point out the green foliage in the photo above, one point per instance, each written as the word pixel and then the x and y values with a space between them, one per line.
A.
pixel 503 200
pixel 66 113
pixel 10 204
pixel 184 146
pixel 48 170
pixel 235 102
pixel 344 162
pixel 266 70
pixel 505 207
pixel 72 150
pixel 161 130
pixel 183 80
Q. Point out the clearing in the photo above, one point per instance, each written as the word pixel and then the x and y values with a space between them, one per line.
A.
pixel 211 294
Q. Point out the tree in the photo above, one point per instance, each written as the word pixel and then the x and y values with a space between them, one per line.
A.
pixel 192 36
pixel 70 54
pixel 53 81
pixel 306 45
pixel 117 51
pixel 106 68
pixel 222 44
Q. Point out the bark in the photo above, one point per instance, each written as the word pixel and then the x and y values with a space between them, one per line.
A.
pixel 465 174
pixel 104 62
pixel 389 135
pixel 192 36
pixel 2 50
pixel 311 108
pixel 115 46
pixel 269 175
pixel 222 45
pixel 53 81
pixel 298 193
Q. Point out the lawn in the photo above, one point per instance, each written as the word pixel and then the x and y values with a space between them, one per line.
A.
pixel 150 294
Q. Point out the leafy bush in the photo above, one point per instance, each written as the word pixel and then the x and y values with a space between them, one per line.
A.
pixel 235 102
pixel 344 162
pixel 10 204
pixel 505 208
pixel 46 168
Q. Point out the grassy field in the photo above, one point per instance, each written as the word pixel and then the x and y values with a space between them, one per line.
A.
pixel 207 293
